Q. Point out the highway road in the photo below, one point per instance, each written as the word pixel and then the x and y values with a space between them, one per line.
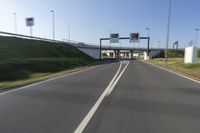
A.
pixel 120 97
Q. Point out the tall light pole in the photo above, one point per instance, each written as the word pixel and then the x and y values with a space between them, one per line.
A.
pixel 148 29
pixel 159 48
pixel 168 31
pixel 15 22
pixel 53 17
pixel 109 37
pixel 159 44
pixel 196 40
pixel 69 34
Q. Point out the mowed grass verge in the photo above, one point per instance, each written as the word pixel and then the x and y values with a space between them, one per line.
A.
pixel 24 61
pixel 177 65
pixel 37 77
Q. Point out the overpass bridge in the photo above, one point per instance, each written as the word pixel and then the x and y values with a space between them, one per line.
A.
pixel 95 51
pixel 119 48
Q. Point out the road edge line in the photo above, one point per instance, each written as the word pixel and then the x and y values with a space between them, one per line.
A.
pixel 91 112
pixel 48 80
pixel 183 76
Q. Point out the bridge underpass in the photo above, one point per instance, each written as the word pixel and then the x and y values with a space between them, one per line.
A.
pixel 120 54
pixel 94 51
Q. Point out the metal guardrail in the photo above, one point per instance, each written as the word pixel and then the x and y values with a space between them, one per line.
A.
pixel 70 42
pixel 25 36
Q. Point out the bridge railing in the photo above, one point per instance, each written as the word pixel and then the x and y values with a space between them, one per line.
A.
pixel 70 42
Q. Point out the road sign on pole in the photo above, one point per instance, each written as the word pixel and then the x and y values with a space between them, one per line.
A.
pixel 134 37
pixel 30 23
pixel 114 38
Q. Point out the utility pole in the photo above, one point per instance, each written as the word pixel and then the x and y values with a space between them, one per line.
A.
pixel 109 35
pixel 148 32
pixel 196 40
pixel 168 31
pixel 159 48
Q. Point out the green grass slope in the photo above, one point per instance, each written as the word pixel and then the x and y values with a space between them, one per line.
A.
pixel 20 58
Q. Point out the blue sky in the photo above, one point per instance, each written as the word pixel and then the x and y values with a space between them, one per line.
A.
pixel 91 19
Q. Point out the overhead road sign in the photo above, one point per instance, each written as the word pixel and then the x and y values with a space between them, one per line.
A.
pixel 134 37
pixel 114 38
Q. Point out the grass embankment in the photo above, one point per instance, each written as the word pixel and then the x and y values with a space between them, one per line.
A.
pixel 177 64
pixel 23 61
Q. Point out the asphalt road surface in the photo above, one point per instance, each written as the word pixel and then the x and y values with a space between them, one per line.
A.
pixel 121 97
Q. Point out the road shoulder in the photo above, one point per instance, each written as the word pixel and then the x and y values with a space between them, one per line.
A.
pixel 181 74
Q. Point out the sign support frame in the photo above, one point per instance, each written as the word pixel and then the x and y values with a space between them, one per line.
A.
pixel 124 38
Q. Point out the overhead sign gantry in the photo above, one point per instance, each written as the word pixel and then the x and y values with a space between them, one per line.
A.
pixel 134 37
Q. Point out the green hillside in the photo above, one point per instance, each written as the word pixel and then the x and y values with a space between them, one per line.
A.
pixel 20 58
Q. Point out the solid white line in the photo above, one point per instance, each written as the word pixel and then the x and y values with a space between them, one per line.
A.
pixel 173 72
pixel 38 83
pixel 87 118
pixel 113 85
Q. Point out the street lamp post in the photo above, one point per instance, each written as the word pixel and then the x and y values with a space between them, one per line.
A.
pixel 159 48
pixel 53 17
pixel 196 40
pixel 168 31
pixel 109 37
pixel 148 29
pixel 15 21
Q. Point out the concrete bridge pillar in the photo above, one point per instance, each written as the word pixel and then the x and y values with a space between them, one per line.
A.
pixel 127 54
pixel 112 54
pixel 131 53
pixel 117 54
pixel 146 57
